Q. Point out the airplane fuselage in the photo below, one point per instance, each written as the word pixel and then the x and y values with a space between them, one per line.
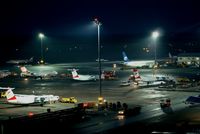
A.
pixel 147 63
pixel 84 78
pixel 28 99
pixel 22 99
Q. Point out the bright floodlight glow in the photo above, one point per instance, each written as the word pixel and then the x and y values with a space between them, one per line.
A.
pixel 41 35
pixel 155 34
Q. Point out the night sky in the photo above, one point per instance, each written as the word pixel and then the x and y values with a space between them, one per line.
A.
pixel 71 37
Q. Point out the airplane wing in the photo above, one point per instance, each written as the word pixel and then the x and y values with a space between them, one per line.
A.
pixel 6 88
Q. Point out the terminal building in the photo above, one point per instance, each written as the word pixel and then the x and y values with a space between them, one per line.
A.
pixel 188 59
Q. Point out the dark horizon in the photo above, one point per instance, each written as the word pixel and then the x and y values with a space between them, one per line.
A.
pixel 85 48
pixel 69 35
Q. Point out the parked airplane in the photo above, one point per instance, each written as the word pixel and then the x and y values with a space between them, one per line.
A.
pixel 102 60
pixel 26 73
pixel 23 99
pixel 26 61
pixel 142 63
pixel 148 80
pixel 4 73
pixel 80 77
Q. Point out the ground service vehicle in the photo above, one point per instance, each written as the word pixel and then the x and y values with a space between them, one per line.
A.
pixel 3 94
pixel 87 105
pixel 109 75
pixel 68 100
pixel 130 111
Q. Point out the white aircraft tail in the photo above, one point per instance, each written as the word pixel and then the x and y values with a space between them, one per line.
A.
pixel 170 56
pixel 74 74
pixel 136 74
pixel 31 59
pixel 125 57
pixel 10 96
pixel 24 69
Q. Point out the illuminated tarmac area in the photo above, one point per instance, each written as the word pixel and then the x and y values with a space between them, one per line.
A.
pixel 11 111
pixel 148 98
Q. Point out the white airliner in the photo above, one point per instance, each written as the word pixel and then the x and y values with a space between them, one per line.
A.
pixel 26 73
pixel 26 61
pixel 23 99
pixel 148 80
pixel 102 60
pixel 142 63
pixel 80 77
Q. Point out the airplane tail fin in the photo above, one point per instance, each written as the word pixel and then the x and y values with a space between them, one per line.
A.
pixel 125 56
pixel 10 96
pixel 170 56
pixel 74 74
pixel 24 69
pixel 136 74
pixel 31 59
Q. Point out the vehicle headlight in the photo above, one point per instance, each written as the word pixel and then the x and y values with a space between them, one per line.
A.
pixel 120 112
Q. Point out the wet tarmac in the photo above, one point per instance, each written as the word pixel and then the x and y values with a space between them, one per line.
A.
pixel 148 98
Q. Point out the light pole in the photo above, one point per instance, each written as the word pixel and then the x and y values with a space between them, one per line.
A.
pixel 41 36
pixel 155 35
pixel 100 98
